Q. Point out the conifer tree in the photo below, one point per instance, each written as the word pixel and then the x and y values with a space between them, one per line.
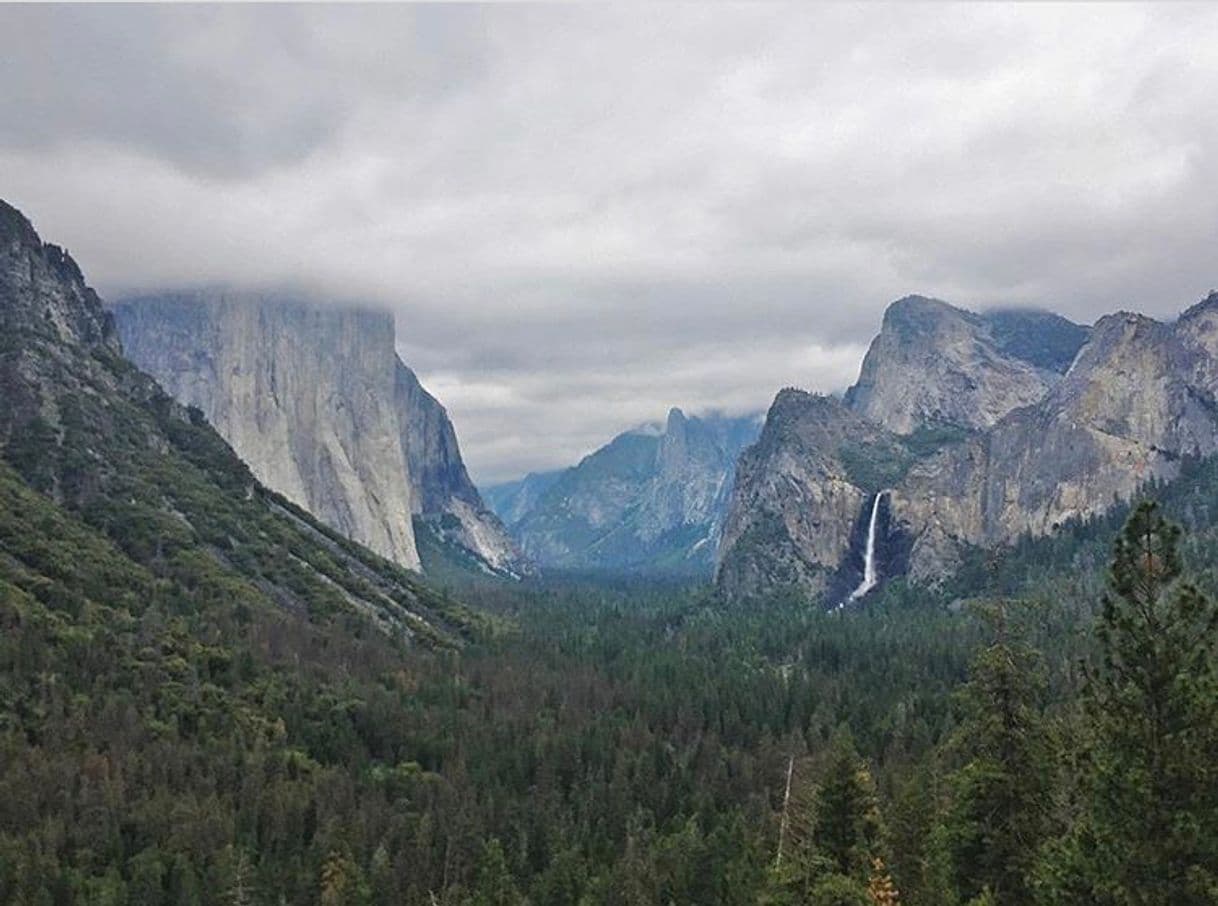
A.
pixel 1149 834
pixel 999 816
pixel 880 887
pixel 848 825
pixel 493 884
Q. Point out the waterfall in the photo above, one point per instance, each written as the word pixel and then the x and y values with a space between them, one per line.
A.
pixel 870 575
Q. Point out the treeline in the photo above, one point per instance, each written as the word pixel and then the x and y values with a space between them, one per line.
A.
pixel 619 746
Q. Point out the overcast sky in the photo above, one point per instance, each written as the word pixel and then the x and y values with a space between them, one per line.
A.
pixel 584 215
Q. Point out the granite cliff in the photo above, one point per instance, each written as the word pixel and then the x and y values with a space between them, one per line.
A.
pixel 983 428
pixel 933 363
pixel 316 401
pixel 119 501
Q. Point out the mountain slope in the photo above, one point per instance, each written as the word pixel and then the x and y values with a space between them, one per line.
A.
pixel 317 402
pixel 651 500
pixel 149 481
pixel 511 500
pixel 1005 435
pixel 443 495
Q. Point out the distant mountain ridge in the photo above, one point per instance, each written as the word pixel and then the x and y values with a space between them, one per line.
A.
pixel 651 500
pixel 982 428
pixel 315 399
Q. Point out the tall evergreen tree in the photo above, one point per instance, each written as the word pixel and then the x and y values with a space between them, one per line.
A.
pixel 848 825
pixel 1149 834
pixel 1001 794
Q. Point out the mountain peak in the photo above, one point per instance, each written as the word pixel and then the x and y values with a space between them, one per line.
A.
pixel 914 309
pixel 16 226
pixel 1209 303
pixel 48 297
pixel 933 363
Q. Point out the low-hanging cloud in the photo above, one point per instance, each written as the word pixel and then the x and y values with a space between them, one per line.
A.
pixel 582 215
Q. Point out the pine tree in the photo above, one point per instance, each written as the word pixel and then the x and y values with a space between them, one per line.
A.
pixel 493 882
pixel 848 825
pixel 1149 834
pixel 999 815
pixel 839 890
pixel 342 882
pixel 880 887
pixel 917 841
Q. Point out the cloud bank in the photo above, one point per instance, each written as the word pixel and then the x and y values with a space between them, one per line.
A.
pixel 583 215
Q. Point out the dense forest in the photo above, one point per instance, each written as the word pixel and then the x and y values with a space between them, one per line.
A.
pixel 207 697
pixel 616 745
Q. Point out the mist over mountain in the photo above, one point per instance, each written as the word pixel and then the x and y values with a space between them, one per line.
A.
pixel 117 495
pixel 316 400
pixel 979 430
pixel 332 572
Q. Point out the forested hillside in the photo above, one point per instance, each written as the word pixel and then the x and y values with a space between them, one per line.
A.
pixel 616 747
pixel 208 698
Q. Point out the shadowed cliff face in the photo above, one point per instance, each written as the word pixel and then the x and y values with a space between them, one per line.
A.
pixel 441 491
pixel 316 401
pixel 990 435
pixel 650 500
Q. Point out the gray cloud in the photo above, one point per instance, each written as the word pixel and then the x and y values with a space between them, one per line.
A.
pixel 582 215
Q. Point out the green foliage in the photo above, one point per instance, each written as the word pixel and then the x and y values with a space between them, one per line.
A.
pixel 839 890
pixel 1001 794
pixel 876 466
pixel 207 697
pixel 1148 828
pixel 848 825
pixel 493 882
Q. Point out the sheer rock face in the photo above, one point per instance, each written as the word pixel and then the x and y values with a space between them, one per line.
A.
pixel 1137 400
pixel 795 505
pixel 441 490
pixel 933 363
pixel 316 402
pixel 652 499
pixel 304 395
pixel 1041 446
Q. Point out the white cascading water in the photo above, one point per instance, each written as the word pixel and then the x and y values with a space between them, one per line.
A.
pixel 870 576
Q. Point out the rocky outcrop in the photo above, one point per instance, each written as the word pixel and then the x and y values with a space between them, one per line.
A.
pixel 798 495
pixel 317 403
pixel 513 500
pixel 1046 435
pixel 651 500
pixel 441 491
pixel 933 363
pixel 49 316
pixel 1135 403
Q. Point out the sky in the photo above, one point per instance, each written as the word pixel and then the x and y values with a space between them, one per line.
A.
pixel 584 215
